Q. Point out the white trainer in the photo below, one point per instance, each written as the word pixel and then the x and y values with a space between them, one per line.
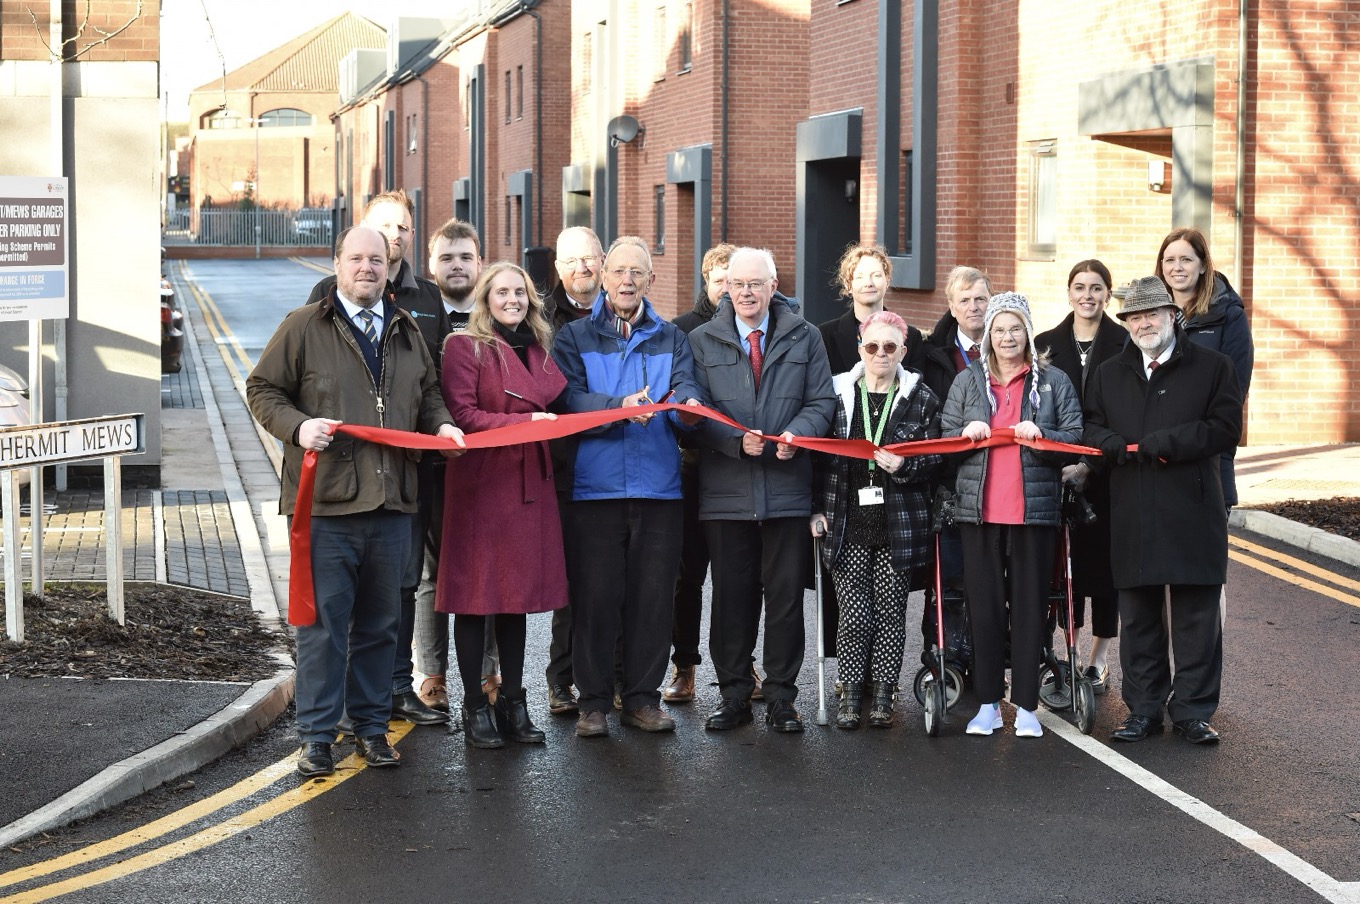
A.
pixel 987 720
pixel 1027 724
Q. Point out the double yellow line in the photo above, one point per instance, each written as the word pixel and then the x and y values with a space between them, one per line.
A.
pixel 1294 571
pixel 277 805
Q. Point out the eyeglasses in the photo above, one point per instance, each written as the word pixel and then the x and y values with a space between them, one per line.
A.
pixel 621 272
pixel 584 263
pixel 1015 331
pixel 871 348
pixel 737 285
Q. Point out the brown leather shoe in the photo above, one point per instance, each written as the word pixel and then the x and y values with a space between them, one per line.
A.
pixel 434 693
pixel 648 718
pixel 681 688
pixel 759 692
pixel 591 724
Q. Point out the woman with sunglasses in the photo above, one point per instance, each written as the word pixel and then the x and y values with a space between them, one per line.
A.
pixel 1009 505
pixel 874 519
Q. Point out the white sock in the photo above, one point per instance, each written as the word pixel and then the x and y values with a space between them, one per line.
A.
pixel 987 720
pixel 1027 724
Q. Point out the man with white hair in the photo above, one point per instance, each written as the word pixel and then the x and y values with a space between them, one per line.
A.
pixel 766 368
pixel 1181 404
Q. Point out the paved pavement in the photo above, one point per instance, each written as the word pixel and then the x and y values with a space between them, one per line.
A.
pixel 213 525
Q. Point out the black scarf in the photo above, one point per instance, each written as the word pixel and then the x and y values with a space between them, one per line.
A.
pixel 519 339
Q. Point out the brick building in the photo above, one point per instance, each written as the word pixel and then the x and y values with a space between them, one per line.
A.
pixel 1015 137
pixel 274 112
pixel 104 357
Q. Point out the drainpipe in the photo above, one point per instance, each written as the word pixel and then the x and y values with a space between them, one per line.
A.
pixel 726 57
pixel 424 171
pixel 538 123
pixel 1240 191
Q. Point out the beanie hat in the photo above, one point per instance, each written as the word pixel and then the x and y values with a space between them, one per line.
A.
pixel 1017 304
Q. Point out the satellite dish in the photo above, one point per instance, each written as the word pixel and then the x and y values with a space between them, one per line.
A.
pixel 623 129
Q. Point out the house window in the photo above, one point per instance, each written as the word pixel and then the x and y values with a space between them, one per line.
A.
pixel 659 45
pixel 519 92
pixel 1043 200
pixel 587 60
pixel 905 182
pixel 686 36
pixel 225 119
pixel 411 131
pixel 507 95
pixel 659 226
pixel 509 218
pixel 285 117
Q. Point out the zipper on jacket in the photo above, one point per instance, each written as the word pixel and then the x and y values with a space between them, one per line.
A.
pixel 353 343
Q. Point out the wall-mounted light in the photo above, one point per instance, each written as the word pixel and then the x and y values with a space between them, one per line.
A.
pixel 1159 176
pixel 851 190
pixel 623 129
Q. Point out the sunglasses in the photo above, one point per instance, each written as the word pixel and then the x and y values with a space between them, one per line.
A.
pixel 889 348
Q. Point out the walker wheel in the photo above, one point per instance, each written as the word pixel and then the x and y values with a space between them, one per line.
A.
pixel 1086 706
pixel 934 707
pixel 953 680
pixel 1055 686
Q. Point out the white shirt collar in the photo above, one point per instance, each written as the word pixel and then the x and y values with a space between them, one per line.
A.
pixel 352 311
pixel 1161 359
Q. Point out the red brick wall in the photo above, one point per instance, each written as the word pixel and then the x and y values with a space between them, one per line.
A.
pixel 139 41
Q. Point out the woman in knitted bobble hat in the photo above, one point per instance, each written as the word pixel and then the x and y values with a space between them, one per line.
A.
pixel 1009 505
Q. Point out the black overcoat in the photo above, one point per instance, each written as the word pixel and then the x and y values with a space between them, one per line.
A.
pixel 1168 523
pixel 1090 542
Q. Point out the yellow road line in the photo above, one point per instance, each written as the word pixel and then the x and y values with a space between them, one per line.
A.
pixel 1307 567
pixel 1290 578
pixel 294 797
pixel 317 267
pixel 221 333
pixel 166 824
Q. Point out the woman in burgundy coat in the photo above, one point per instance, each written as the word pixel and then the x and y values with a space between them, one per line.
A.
pixel 502 548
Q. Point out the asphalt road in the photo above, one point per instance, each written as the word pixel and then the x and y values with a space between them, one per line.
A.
pixel 1270 815
pixel 827 816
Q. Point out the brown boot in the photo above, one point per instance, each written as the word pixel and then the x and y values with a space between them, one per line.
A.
pixel 759 692
pixel 681 687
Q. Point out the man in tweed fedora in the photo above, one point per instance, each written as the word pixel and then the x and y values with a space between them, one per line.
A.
pixel 1180 403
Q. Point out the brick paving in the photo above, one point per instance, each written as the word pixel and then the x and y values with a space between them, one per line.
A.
pixel 181 390
pixel 201 548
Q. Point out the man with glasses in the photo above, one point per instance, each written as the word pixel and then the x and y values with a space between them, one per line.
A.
pixel 625 513
pixel 579 258
pixel 579 265
pixel 766 368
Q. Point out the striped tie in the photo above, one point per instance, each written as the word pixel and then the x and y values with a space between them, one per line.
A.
pixel 370 331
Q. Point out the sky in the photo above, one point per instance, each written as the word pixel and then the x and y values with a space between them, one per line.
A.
pixel 190 58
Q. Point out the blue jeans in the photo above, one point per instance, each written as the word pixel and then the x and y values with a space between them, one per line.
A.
pixel 344 660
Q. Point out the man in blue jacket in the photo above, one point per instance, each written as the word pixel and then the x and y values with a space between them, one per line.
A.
pixel 626 510
pixel 765 368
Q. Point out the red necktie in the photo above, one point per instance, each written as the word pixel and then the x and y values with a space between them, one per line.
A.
pixel 974 353
pixel 757 356
pixel 1153 365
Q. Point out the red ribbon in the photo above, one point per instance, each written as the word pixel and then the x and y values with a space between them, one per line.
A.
pixel 301 591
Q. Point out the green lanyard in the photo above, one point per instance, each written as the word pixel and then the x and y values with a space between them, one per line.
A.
pixel 877 436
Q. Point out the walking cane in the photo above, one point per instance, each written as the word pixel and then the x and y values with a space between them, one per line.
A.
pixel 821 641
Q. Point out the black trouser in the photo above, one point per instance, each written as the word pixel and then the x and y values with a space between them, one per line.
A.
pixel 559 649
pixel 622 573
pixel 1104 614
pixel 747 554
pixel 469 642
pixel 1196 635
pixel 410 577
pixel 689 583
pixel 1007 563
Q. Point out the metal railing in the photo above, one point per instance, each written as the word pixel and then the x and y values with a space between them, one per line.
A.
pixel 237 227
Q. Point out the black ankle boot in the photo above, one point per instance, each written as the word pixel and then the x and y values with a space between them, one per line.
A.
pixel 479 725
pixel 881 710
pixel 512 718
pixel 847 716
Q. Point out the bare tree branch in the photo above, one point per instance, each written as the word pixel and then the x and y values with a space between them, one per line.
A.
pixel 79 49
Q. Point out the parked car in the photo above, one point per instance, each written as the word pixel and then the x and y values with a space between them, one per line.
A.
pixel 172 330
pixel 312 227
pixel 14 407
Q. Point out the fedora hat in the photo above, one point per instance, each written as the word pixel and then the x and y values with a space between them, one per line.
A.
pixel 1145 294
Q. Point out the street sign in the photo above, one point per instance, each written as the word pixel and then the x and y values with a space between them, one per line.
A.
pixel 109 438
pixel 33 248
pixel 45 444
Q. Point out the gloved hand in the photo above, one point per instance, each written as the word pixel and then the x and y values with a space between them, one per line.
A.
pixel 1152 448
pixel 1114 450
